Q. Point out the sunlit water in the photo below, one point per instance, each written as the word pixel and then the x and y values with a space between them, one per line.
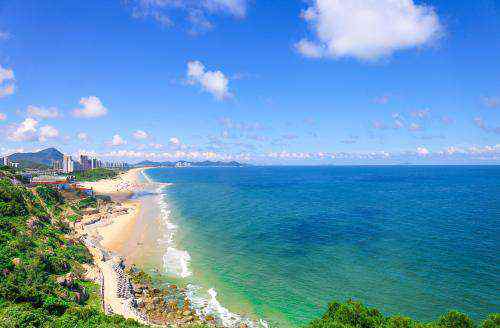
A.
pixel 281 242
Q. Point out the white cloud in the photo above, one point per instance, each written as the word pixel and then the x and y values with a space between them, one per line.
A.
pixel 196 12
pixel 47 132
pixel 7 86
pixel 91 107
pixel 25 131
pixel 422 151
pixel 367 29
pixel 3 117
pixel 415 127
pixel 117 140
pixel 42 112
pixel 214 82
pixel 140 135
pixel 6 74
pixel 174 141
pixel 82 136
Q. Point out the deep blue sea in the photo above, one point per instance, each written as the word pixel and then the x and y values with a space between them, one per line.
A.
pixel 281 242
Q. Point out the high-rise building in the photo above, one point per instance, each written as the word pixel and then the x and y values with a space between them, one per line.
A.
pixel 85 162
pixel 68 166
pixel 6 161
pixel 57 166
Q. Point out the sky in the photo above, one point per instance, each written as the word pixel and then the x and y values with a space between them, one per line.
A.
pixel 263 82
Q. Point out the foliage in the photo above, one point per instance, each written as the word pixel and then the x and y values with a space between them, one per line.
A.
pixel 95 174
pixel 87 202
pixel 354 314
pixel 34 252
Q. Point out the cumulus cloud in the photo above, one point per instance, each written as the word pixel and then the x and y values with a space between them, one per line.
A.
pixel 367 29
pixel 42 112
pixel 91 107
pixel 174 141
pixel 3 117
pixel 25 131
pixel 214 82
pixel 197 13
pixel 7 82
pixel 140 135
pixel 47 132
pixel 82 136
pixel 117 140
pixel 422 151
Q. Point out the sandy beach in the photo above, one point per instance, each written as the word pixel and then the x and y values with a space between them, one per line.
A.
pixel 106 231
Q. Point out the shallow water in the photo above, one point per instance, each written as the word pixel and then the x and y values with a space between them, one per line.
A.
pixel 281 242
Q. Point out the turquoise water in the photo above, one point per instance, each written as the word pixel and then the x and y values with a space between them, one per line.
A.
pixel 281 242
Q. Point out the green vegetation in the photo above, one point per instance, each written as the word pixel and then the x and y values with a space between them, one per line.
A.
pixel 41 266
pixel 86 203
pixel 353 314
pixel 95 174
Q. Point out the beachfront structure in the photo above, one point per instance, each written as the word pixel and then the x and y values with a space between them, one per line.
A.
pixel 58 181
pixel 68 165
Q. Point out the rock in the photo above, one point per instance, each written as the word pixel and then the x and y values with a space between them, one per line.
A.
pixel 172 304
pixel 16 261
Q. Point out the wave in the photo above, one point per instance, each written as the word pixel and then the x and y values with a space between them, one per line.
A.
pixel 176 262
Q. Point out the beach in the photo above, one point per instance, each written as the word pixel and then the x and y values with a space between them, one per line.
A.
pixel 116 236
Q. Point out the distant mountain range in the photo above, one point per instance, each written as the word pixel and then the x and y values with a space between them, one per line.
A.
pixel 40 159
pixel 195 164
pixel 45 158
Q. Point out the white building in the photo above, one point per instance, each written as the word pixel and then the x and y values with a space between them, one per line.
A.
pixel 6 161
pixel 68 165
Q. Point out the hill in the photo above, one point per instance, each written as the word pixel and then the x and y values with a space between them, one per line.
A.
pixel 43 157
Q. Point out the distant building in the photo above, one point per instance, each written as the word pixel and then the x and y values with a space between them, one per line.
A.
pixel 182 164
pixel 6 161
pixel 57 166
pixel 85 162
pixel 68 165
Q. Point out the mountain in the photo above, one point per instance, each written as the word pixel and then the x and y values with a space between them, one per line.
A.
pixel 43 157
pixel 204 163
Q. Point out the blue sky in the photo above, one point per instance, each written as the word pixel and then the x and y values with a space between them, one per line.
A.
pixel 299 82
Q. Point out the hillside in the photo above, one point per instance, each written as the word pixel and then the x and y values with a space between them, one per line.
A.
pixel 43 157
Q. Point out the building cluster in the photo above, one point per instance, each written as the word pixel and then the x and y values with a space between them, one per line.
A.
pixel 67 165
pixel 7 162
pixel 85 163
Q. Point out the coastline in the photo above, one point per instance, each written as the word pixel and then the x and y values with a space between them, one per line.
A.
pixel 103 233
pixel 118 239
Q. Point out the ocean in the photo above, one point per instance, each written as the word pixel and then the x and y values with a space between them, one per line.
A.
pixel 279 243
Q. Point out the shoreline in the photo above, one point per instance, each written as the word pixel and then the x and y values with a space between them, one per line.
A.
pixel 109 232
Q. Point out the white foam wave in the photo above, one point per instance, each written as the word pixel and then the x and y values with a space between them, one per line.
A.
pixel 176 262
pixel 208 305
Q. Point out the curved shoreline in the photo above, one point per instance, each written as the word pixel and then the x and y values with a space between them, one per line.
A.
pixel 109 232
